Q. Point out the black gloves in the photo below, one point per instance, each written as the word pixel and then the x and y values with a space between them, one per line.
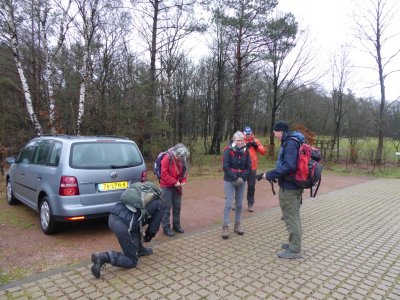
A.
pixel 252 144
pixel 148 237
pixel 259 176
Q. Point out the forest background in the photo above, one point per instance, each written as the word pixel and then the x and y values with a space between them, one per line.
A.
pixel 99 67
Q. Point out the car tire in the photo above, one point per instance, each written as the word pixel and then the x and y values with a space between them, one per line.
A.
pixel 11 200
pixel 47 222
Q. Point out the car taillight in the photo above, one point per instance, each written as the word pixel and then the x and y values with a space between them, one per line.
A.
pixel 143 178
pixel 68 186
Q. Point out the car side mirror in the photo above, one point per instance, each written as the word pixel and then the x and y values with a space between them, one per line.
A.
pixel 11 160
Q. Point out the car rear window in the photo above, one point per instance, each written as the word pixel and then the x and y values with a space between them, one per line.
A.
pixel 104 155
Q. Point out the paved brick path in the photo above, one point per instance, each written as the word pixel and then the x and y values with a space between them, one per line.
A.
pixel 351 249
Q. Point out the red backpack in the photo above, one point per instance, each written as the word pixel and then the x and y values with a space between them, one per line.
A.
pixel 308 171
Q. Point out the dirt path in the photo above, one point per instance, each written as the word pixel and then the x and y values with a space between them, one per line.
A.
pixel 27 250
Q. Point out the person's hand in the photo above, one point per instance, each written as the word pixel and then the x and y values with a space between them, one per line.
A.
pixel 238 182
pixel 254 144
pixel 177 183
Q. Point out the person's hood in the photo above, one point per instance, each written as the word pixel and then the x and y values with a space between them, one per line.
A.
pixel 295 134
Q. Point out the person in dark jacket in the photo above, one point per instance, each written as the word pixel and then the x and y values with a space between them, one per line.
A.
pixel 124 223
pixel 237 167
pixel 290 196
pixel 173 178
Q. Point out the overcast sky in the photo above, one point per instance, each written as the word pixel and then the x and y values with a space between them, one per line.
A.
pixel 331 24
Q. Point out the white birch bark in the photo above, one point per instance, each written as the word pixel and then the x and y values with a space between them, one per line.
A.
pixel 16 55
pixel 90 21
pixel 49 57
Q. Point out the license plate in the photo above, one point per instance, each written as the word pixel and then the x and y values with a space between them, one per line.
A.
pixel 111 186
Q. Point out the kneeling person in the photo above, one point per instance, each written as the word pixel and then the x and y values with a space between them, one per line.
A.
pixel 125 224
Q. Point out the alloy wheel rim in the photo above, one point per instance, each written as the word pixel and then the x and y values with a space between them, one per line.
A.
pixel 45 214
pixel 9 191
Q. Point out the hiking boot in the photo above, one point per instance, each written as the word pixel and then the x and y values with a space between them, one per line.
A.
pixel 168 231
pixel 286 254
pixel 143 251
pixel 285 246
pixel 98 260
pixel 225 232
pixel 178 228
pixel 237 229
pixel 250 208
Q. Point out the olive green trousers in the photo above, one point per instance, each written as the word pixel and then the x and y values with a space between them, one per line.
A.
pixel 290 202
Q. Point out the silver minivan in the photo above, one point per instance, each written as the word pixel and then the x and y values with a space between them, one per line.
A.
pixel 71 178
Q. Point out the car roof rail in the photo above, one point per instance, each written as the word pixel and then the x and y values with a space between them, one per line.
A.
pixel 56 135
pixel 113 136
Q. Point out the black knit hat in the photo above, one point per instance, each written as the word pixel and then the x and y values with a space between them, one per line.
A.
pixel 281 126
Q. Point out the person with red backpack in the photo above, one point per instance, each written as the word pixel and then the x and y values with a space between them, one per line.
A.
pixel 173 178
pixel 237 167
pixel 290 195
pixel 254 147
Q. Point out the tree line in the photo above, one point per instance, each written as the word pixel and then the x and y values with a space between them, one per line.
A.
pixel 99 67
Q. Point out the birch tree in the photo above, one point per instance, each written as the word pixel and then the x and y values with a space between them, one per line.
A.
pixel 87 26
pixel 50 54
pixel 8 10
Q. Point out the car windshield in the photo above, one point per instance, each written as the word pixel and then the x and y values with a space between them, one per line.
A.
pixel 104 155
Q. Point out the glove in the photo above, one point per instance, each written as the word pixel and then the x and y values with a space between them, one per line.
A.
pixel 148 237
pixel 259 176
pixel 238 182
pixel 254 144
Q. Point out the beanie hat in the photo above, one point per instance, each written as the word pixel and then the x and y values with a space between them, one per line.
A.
pixel 247 130
pixel 180 150
pixel 281 126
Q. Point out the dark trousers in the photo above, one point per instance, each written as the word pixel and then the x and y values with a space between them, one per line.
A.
pixel 131 242
pixel 251 187
pixel 173 198
pixel 290 203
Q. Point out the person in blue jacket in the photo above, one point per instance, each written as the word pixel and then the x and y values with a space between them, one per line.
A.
pixel 124 223
pixel 290 196
pixel 237 167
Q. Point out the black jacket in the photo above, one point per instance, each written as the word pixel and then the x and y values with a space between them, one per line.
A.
pixel 237 163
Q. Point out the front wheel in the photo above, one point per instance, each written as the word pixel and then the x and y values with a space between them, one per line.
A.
pixel 11 200
pixel 47 222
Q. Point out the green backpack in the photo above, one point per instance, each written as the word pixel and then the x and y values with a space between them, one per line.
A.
pixel 138 195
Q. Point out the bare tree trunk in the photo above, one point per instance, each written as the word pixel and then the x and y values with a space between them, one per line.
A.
pixel 16 55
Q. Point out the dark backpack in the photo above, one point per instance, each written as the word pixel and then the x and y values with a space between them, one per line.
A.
pixel 157 164
pixel 309 170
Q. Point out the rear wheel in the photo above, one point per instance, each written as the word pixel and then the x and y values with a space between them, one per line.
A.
pixel 47 222
pixel 11 200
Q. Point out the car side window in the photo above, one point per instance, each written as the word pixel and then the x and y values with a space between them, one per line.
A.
pixel 42 152
pixel 55 154
pixel 25 156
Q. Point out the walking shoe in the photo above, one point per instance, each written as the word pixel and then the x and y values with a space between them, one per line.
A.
pixel 98 260
pixel 238 229
pixel 143 251
pixel 250 208
pixel 168 231
pixel 225 232
pixel 285 246
pixel 286 254
pixel 178 229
